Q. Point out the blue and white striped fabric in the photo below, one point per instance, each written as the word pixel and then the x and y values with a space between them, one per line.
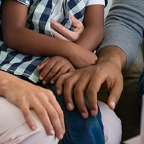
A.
pixel 38 20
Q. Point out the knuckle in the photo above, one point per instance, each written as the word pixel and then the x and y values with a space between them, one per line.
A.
pixel 77 90
pixel 49 92
pixel 67 83
pixel 62 71
pixel 61 113
pixel 54 70
pixel 42 112
pixel 40 95
pixel 20 100
pixel 47 67
pixel 80 24
pixel 91 91
pixel 75 37
pixel 54 116
pixel 63 61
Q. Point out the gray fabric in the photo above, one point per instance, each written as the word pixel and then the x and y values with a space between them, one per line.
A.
pixel 124 27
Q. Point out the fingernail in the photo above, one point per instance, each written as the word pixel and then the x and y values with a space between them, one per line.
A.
pixel 52 132
pixel 60 136
pixel 52 82
pixel 33 128
pixel 84 115
pixel 63 131
pixel 113 105
pixel 69 106
pixel 40 77
pixel 58 92
pixel 44 82
pixel 93 112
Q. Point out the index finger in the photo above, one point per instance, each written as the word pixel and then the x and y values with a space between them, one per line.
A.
pixel 61 81
pixel 61 29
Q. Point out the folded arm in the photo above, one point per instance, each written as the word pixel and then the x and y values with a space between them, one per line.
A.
pixel 18 37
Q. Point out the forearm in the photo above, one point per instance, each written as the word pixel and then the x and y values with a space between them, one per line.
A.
pixel 19 38
pixel 94 25
pixel 113 55
pixel 124 27
pixel 91 37
pixel 30 42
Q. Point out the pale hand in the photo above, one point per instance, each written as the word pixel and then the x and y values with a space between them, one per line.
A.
pixel 63 33
pixel 28 96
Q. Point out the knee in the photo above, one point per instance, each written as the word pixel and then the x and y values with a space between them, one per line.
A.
pixel 112 125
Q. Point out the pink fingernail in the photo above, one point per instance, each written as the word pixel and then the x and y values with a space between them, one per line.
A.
pixel 40 77
pixel 60 136
pixel 52 132
pixel 113 105
pixel 44 82
pixel 69 106
pixel 34 128
pixel 58 92
pixel 93 112
pixel 84 115
pixel 52 82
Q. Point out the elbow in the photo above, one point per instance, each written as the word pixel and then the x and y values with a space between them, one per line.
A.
pixel 9 39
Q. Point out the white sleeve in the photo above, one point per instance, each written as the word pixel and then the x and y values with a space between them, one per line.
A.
pixel 92 2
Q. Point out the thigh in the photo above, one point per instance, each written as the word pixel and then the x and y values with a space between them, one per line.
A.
pixel 111 123
pixel 14 129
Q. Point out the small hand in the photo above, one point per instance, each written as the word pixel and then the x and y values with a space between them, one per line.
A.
pixel 90 79
pixel 63 33
pixel 53 67
pixel 27 96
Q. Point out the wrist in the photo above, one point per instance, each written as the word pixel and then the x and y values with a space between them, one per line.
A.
pixel 113 55
pixel 6 80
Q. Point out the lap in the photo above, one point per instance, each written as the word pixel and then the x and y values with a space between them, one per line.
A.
pixel 13 127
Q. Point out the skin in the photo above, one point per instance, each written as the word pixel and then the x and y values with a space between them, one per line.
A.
pixel 107 71
pixel 63 33
pixel 79 35
pixel 79 53
pixel 27 96
pixel 15 34
pixel 53 67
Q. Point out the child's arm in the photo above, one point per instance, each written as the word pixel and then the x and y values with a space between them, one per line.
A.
pixel 16 36
pixel 92 34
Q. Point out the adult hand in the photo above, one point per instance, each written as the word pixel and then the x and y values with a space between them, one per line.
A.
pixel 90 79
pixel 53 67
pixel 63 33
pixel 27 96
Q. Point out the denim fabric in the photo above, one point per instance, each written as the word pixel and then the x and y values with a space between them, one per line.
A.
pixel 78 130
pixel 140 86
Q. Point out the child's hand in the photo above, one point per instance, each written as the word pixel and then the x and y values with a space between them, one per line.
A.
pixel 53 67
pixel 63 33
